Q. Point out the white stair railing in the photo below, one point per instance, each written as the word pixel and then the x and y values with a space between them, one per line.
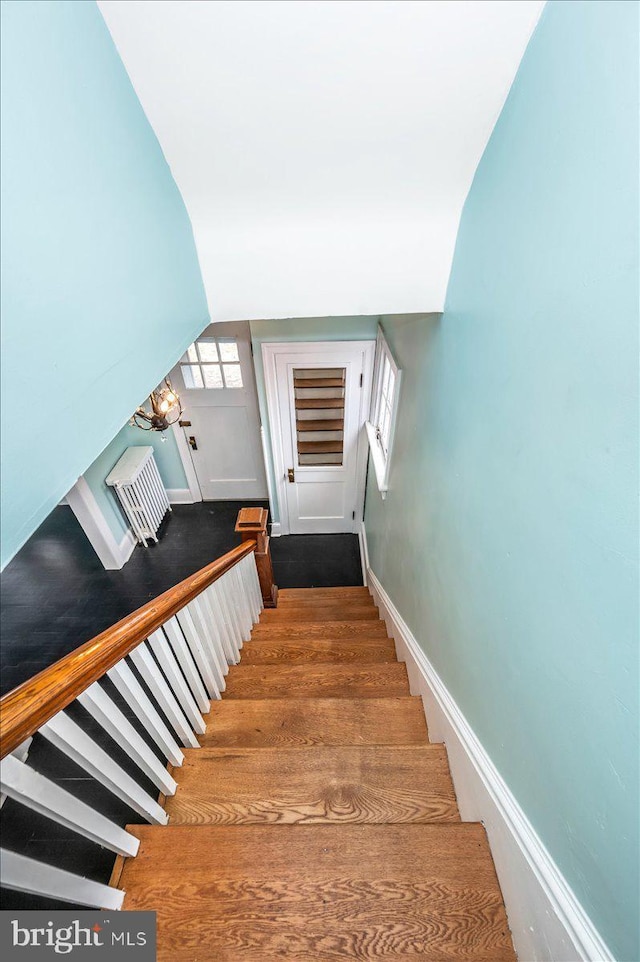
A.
pixel 168 677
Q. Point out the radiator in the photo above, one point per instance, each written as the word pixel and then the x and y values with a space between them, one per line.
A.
pixel 137 483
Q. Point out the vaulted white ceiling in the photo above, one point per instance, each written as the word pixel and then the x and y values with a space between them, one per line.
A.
pixel 324 148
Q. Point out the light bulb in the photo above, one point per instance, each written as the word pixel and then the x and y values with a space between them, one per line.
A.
pixel 164 406
pixel 171 398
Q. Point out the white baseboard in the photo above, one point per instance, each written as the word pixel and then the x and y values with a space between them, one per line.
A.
pixel 364 552
pixel 276 529
pixel 126 546
pixel 547 922
pixel 180 496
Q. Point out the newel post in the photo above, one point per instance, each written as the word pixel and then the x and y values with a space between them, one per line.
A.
pixel 252 525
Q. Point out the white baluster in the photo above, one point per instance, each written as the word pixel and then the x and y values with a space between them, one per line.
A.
pixel 230 650
pixel 198 651
pixel 63 732
pixel 252 586
pixel 255 582
pixel 143 660
pixel 24 874
pixel 160 647
pixel 218 663
pixel 238 597
pixel 215 633
pixel 101 707
pixel 233 628
pixel 173 632
pixel 38 793
pixel 133 693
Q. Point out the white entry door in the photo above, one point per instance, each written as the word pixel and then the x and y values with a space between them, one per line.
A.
pixel 220 420
pixel 318 398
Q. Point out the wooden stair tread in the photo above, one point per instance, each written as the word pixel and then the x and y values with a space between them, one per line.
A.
pixel 321 601
pixel 317 680
pixel 332 630
pixel 327 892
pixel 315 721
pixel 319 613
pixel 363 784
pixel 356 591
pixel 264 652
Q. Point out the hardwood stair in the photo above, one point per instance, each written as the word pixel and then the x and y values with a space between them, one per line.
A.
pixel 316 821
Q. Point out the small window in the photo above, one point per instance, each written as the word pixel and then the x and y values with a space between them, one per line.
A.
pixel 211 362
pixel 384 406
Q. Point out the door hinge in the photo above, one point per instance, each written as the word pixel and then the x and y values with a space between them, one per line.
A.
pixel 353 516
pixel 361 377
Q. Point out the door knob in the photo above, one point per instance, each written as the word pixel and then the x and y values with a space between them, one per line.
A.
pixel 193 443
pixel 291 476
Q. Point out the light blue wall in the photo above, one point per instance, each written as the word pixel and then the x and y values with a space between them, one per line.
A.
pixel 351 328
pixel 508 540
pixel 166 456
pixel 101 287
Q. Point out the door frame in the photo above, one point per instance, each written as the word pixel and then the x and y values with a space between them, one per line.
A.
pixel 184 451
pixel 271 351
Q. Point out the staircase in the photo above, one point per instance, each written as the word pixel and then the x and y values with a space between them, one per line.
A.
pixel 316 821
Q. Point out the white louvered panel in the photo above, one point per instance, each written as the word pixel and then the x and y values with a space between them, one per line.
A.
pixel 137 483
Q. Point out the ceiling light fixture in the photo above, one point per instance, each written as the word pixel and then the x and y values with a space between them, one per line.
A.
pixel 163 402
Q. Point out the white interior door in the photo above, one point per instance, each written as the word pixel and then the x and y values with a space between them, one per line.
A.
pixel 318 403
pixel 220 419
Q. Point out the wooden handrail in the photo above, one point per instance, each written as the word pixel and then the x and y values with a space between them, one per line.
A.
pixel 25 709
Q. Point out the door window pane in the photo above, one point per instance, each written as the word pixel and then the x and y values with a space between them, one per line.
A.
pixel 201 367
pixel 212 375
pixel 208 351
pixel 228 349
pixel 232 375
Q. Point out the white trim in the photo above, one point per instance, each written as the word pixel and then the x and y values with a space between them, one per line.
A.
pixel 270 352
pixel 267 474
pixel 364 552
pixel 276 529
pixel 180 496
pixel 126 546
pixel 382 461
pixel 112 554
pixel 187 463
pixel 547 921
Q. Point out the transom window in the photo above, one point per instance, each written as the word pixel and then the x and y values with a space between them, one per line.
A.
pixel 211 362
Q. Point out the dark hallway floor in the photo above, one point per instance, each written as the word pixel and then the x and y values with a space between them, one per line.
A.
pixel 55 594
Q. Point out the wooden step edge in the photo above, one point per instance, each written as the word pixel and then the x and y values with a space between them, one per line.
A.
pixel 429 748
pixel 116 871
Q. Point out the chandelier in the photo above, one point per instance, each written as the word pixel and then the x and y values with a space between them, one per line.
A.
pixel 163 402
